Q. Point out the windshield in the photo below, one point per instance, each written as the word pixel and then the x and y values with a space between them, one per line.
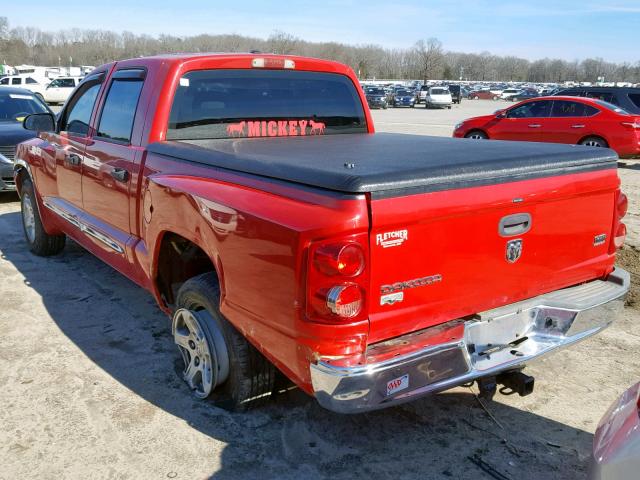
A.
pixel 612 107
pixel 15 106
pixel 403 92
pixel 211 104
pixel 439 91
pixel 375 91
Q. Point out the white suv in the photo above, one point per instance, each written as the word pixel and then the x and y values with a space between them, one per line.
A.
pixel 438 97
pixel 59 90
pixel 24 81
pixel 510 92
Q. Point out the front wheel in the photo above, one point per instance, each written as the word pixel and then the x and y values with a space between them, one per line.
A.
pixel 594 142
pixel 477 135
pixel 39 241
pixel 219 363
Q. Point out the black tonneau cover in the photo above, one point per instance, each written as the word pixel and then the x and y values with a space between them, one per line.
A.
pixel 388 164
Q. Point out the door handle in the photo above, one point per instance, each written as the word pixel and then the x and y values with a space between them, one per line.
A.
pixel 577 126
pixel 120 174
pixel 535 125
pixel 73 159
pixel 516 224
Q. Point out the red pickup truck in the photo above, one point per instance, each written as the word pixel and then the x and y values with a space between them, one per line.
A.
pixel 251 197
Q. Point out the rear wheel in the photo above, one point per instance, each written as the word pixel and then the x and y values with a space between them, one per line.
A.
pixel 594 142
pixel 475 97
pixel 39 241
pixel 219 363
pixel 477 135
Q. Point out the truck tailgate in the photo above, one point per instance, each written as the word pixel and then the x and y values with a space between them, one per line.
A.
pixel 443 255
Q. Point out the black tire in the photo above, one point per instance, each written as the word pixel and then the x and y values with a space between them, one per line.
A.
pixel 477 134
pixel 251 376
pixel 40 242
pixel 594 141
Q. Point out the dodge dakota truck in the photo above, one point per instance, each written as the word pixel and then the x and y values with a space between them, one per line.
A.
pixel 250 195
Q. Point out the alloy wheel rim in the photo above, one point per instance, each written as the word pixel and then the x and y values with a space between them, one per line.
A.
pixel 476 136
pixel 200 365
pixel 28 218
pixel 593 143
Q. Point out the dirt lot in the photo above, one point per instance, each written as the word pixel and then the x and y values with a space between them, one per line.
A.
pixel 88 386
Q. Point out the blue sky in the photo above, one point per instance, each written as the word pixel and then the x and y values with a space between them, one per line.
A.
pixel 571 29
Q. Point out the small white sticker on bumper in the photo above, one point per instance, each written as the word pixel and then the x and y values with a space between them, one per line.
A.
pixel 397 384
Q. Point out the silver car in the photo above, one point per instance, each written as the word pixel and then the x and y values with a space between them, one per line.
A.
pixel 616 443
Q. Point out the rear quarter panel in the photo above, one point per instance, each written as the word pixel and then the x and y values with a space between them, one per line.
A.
pixel 256 234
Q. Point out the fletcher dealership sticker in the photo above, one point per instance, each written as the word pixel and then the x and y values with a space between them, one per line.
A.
pixel 392 239
pixel 275 128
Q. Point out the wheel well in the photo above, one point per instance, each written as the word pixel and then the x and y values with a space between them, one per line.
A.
pixel 593 136
pixel 477 130
pixel 179 259
pixel 22 172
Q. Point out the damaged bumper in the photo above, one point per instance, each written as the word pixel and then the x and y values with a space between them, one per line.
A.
pixel 460 351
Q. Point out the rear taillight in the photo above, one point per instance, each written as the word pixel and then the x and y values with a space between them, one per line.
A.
pixel 622 203
pixel 337 280
pixel 340 259
pixel 619 228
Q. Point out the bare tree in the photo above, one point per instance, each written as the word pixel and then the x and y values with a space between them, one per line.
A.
pixel 430 56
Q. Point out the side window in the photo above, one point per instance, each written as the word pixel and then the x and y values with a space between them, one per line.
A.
pixel 635 98
pixel 537 109
pixel 564 108
pixel 119 111
pixel 16 81
pixel 4 81
pixel 30 81
pixel 605 97
pixel 590 111
pixel 76 119
pixel 66 82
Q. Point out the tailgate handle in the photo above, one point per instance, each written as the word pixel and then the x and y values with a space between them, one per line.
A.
pixel 516 224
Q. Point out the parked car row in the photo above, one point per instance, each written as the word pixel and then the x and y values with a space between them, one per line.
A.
pixel 53 93
pixel 398 96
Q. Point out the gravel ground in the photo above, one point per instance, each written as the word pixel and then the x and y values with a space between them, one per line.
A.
pixel 88 386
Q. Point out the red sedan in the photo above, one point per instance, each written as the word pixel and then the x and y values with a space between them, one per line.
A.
pixel 583 121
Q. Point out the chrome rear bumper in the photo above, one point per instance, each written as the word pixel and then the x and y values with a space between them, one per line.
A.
pixel 457 352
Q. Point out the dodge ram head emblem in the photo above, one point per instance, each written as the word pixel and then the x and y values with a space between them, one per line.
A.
pixel 514 250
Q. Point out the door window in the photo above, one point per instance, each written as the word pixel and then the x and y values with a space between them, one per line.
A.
pixel 62 83
pixel 16 81
pixel 604 96
pixel 565 108
pixel 31 81
pixel 119 111
pixel 5 81
pixel 635 98
pixel 76 119
pixel 535 109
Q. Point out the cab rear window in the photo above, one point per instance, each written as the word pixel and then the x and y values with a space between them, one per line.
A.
pixel 211 104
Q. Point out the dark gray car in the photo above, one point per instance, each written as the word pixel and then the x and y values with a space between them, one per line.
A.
pixel 15 104
pixel 625 97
